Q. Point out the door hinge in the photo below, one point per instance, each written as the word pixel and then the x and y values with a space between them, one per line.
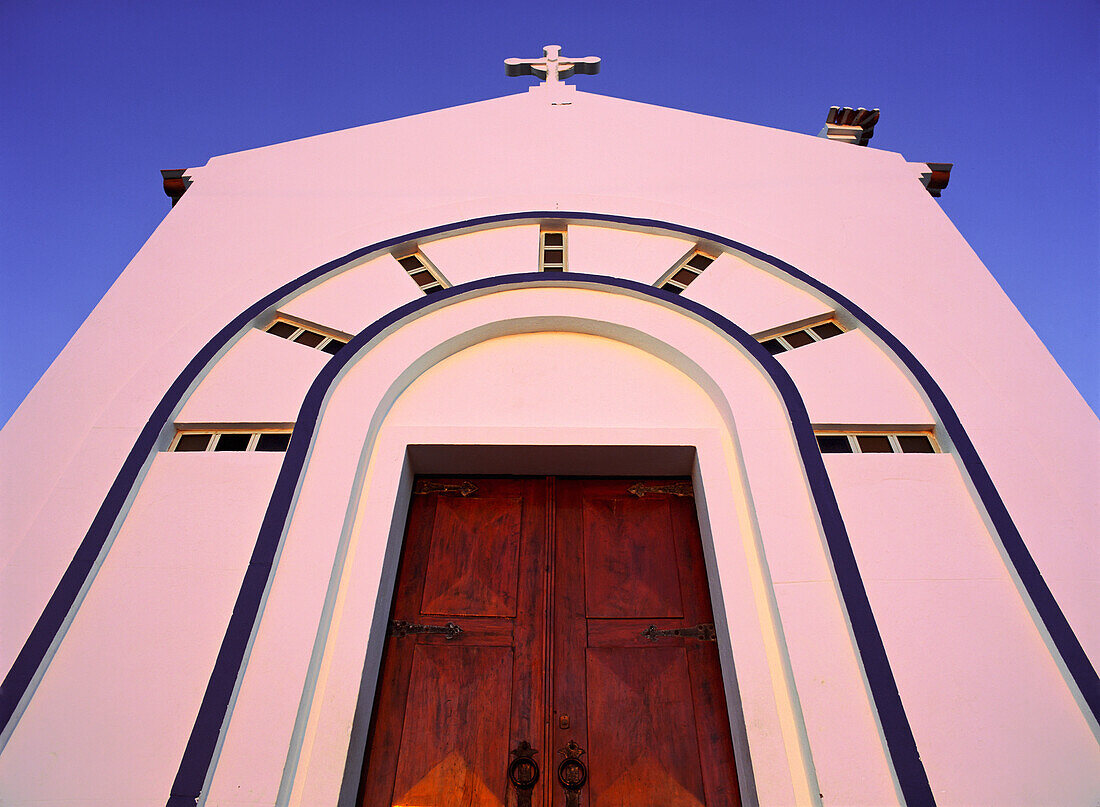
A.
pixel 430 486
pixel 399 628
pixel 704 633
pixel 640 489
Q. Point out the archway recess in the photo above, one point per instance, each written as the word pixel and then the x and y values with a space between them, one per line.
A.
pixel 357 399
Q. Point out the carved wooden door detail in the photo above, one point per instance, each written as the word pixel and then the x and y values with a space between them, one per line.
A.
pixel 566 615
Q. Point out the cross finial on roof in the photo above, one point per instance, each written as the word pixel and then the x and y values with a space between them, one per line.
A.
pixel 553 67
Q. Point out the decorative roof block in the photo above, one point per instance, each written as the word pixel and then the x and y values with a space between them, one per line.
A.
pixel 175 183
pixel 850 125
pixel 937 176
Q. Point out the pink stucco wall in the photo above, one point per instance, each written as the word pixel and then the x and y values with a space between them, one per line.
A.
pixel 109 722
pixel 753 298
pixel 261 380
pixel 636 256
pixel 847 380
pixel 354 299
pixel 499 251
pixel 803 199
pixel 972 671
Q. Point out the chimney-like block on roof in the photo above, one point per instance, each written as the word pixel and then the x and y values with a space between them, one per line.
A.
pixel 175 183
pixel 937 176
pixel 849 125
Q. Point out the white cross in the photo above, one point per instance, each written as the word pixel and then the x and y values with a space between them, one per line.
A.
pixel 552 67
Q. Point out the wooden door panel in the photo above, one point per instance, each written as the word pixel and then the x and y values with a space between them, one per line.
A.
pixel 454 744
pixel 712 725
pixel 473 561
pixel 554 583
pixel 380 762
pixel 569 718
pixel 449 710
pixel 643 745
pixel 689 558
pixel 629 559
pixel 656 717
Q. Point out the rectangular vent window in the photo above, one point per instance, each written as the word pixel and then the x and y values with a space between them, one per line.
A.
pixel 876 443
pixel 230 441
pixel 552 251
pixel 420 269
pixel 305 336
pixel 680 276
pixel 802 337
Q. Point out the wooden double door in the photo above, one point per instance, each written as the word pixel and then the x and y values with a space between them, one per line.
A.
pixel 540 620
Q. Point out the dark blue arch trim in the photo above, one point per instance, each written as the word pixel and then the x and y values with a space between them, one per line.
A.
pixel 194 768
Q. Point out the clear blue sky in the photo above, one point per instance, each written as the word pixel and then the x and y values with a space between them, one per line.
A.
pixel 97 97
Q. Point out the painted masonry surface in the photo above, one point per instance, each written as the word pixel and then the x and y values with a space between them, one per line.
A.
pixel 894 482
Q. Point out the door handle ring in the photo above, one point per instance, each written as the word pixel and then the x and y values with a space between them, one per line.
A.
pixel 572 772
pixel 523 772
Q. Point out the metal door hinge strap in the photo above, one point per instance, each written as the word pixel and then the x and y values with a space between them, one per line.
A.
pixel 461 488
pixel 399 627
pixel 640 489
pixel 702 632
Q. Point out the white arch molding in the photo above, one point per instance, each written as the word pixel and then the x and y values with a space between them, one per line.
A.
pixel 334 578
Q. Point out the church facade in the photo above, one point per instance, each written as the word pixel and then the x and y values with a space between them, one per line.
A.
pixel 735 478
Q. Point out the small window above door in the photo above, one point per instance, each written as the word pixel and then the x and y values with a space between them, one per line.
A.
pixel 308 336
pixel 423 272
pixel 680 276
pixel 800 337
pixel 859 442
pixel 552 249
